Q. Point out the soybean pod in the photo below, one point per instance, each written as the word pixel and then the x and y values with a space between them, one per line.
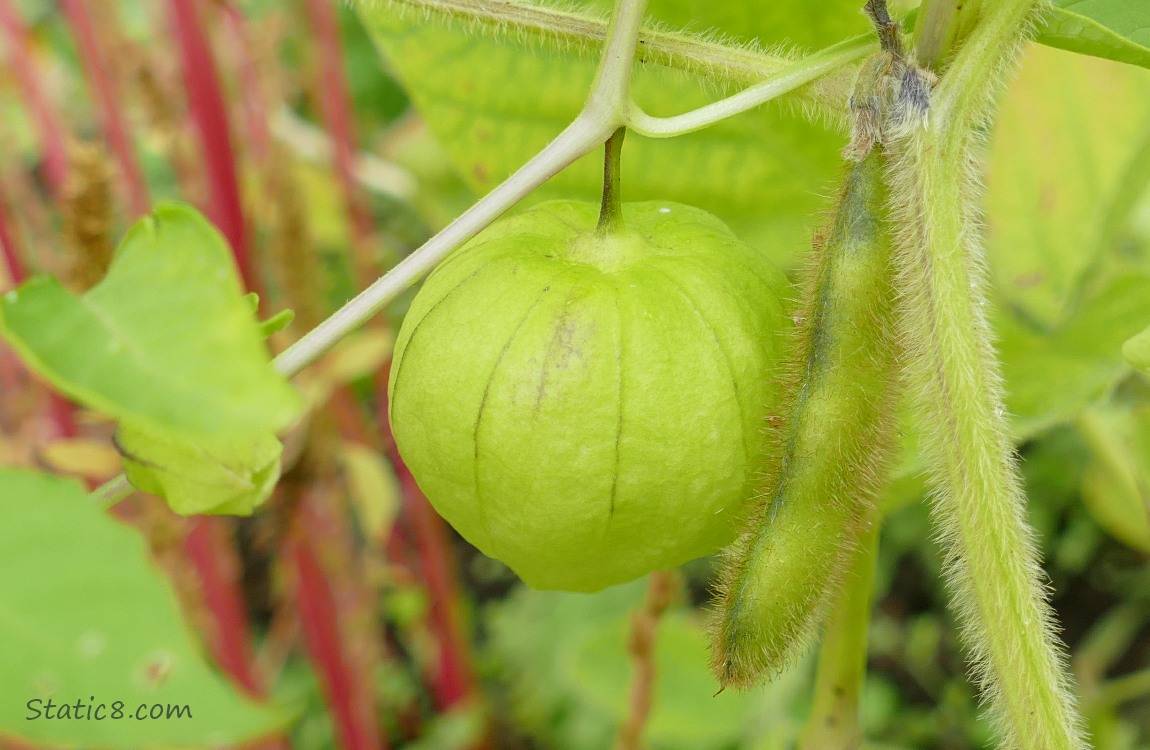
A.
pixel 832 447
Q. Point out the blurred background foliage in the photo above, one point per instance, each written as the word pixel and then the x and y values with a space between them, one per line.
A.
pixel 347 157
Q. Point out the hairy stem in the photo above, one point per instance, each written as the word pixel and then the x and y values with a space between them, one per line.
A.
pixel 783 81
pixel 833 722
pixel 585 32
pixel 951 368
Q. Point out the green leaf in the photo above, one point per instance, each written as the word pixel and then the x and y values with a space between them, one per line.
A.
pixel 276 323
pixel 493 103
pixel 1116 485
pixel 1052 377
pixel 166 339
pixel 1136 350
pixel 1114 29
pixel 217 476
pixel 1063 161
pixel 85 616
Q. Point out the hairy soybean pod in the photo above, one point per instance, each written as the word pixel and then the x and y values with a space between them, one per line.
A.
pixel 832 448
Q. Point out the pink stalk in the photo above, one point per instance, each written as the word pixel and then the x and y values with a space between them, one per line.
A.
pixel 13 263
pixel 50 132
pixel 455 681
pixel 335 103
pixel 108 99
pixel 60 410
pixel 217 567
pixel 348 699
pixel 255 104
pixel 210 115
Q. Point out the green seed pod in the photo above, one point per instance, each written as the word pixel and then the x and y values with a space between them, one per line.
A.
pixel 833 445
pixel 585 404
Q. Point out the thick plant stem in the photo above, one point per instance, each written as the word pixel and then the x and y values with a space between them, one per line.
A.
pixel 833 722
pixel 952 371
pixel 611 209
pixel 833 446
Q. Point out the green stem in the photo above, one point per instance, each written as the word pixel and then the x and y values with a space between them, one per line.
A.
pixel 611 209
pixel 941 26
pixel 789 78
pixel 701 56
pixel 113 491
pixel 992 566
pixel 601 116
pixel 833 721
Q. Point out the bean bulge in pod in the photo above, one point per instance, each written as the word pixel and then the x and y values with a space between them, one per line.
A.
pixel 586 405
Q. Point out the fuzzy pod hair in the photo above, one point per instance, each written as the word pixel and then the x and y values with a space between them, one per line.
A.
pixel 833 447
pixel 952 373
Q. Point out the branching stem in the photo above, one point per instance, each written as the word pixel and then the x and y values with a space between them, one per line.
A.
pixel 789 78
pixel 603 114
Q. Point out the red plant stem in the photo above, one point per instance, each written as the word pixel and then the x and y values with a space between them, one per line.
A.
pixel 214 559
pixel 111 109
pixel 50 132
pixel 210 115
pixel 317 608
pixel 455 681
pixel 335 103
pixel 13 262
pixel 60 411
pixel 254 101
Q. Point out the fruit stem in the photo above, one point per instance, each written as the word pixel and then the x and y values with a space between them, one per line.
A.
pixel 833 723
pixel 611 210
